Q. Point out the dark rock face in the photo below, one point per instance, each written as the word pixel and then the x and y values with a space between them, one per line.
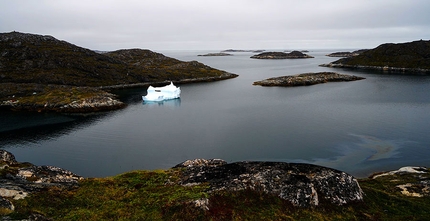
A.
pixel 307 79
pixel 281 55
pixel 303 185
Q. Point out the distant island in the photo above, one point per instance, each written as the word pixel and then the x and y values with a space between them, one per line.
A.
pixel 235 50
pixel 42 73
pixel 216 54
pixel 281 55
pixel 307 79
pixel 347 53
pixel 410 57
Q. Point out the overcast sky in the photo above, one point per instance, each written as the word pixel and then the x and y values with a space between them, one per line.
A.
pixel 220 24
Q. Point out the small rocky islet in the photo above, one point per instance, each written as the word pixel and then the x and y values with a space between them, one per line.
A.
pixel 215 54
pixel 307 79
pixel 281 55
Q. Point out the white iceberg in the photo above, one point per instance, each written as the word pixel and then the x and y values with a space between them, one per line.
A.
pixel 167 92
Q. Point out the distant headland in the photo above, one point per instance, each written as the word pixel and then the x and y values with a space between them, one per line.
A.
pixel 410 57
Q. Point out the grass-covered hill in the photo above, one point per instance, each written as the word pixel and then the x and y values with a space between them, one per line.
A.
pixel 411 56
pixel 39 72
pixel 30 58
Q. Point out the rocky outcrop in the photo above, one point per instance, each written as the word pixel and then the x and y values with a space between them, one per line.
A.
pixel 303 185
pixel 281 55
pixel 307 79
pixel 18 180
pixel 215 54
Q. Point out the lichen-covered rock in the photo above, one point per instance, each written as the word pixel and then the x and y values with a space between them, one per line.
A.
pixel 303 185
pixel 18 180
pixel 409 181
pixel 7 158
pixel 48 174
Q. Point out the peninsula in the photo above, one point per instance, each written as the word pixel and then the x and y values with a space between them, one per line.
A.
pixel 307 79
pixel 212 189
pixel 410 57
pixel 281 55
pixel 42 73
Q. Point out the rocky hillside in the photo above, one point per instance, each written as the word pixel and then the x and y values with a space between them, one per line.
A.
pixel 41 73
pixel 412 56
pixel 30 58
pixel 212 189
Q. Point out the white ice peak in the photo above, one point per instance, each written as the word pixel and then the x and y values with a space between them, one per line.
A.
pixel 162 93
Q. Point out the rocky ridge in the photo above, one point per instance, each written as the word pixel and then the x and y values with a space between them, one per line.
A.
pixel 307 79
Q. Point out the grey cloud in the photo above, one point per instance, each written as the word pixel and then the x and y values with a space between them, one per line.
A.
pixel 194 24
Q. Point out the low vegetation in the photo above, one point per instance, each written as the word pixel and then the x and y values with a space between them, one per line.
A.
pixel 153 195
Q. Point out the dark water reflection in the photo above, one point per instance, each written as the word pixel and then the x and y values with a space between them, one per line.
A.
pixel 379 123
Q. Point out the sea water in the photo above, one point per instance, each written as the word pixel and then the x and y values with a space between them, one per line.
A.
pixel 360 127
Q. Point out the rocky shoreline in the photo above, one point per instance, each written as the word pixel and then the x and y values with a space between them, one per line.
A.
pixel 100 101
pixel 377 68
pixel 307 79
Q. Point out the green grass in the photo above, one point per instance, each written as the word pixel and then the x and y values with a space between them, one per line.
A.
pixel 152 195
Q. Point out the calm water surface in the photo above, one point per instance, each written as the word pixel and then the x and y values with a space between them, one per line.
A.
pixel 361 127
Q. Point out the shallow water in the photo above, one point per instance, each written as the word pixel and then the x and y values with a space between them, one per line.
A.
pixel 360 127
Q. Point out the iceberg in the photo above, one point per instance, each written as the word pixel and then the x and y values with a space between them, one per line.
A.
pixel 167 92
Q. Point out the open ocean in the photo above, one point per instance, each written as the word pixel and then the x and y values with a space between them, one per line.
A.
pixel 361 127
